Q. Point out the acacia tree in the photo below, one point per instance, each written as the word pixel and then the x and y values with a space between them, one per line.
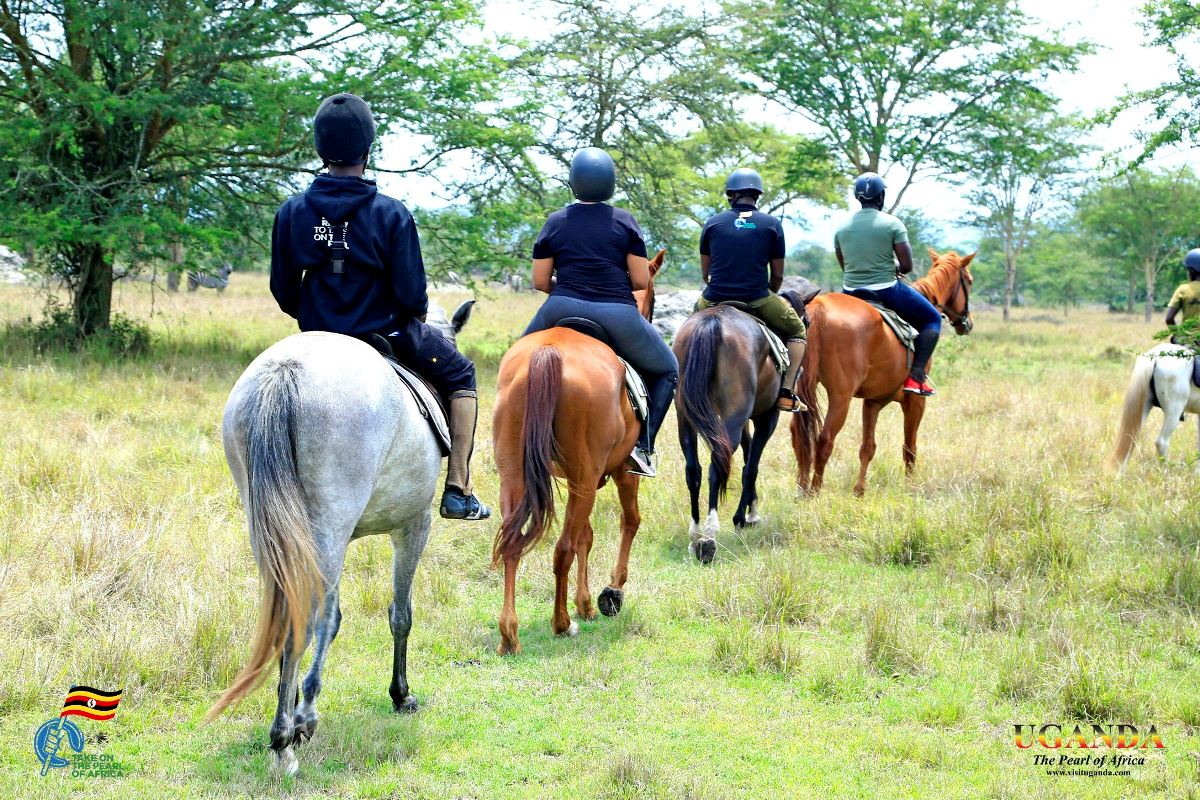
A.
pixel 899 81
pixel 1143 217
pixel 1021 162
pixel 119 113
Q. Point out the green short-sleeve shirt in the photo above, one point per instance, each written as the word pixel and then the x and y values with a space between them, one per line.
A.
pixel 1187 300
pixel 866 241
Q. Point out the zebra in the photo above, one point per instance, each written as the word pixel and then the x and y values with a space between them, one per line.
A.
pixel 218 280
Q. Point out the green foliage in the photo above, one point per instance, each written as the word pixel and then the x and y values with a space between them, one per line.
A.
pixel 899 81
pixel 1185 333
pixel 58 331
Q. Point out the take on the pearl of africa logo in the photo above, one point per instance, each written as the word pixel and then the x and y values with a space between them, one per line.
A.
pixel 60 735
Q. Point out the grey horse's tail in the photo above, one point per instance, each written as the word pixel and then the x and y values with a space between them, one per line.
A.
pixel 1133 412
pixel 693 398
pixel 280 530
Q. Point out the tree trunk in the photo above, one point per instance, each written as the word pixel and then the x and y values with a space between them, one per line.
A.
pixel 1149 268
pixel 1010 283
pixel 1132 291
pixel 93 290
pixel 177 257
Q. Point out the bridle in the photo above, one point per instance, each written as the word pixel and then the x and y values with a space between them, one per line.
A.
pixel 961 321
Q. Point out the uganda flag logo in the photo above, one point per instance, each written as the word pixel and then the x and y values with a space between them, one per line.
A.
pixel 84 701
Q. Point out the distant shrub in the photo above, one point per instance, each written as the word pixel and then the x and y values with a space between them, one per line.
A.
pixel 58 332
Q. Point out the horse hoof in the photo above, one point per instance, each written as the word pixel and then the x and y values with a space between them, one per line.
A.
pixel 285 763
pixel 610 601
pixel 706 550
pixel 408 705
pixel 506 649
pixel 572 630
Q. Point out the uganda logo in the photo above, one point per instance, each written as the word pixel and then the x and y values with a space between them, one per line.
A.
pixel 82 701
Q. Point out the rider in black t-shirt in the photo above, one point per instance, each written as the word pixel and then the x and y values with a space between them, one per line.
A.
pixel 597 256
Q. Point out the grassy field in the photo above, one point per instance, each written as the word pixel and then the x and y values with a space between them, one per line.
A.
pixel 881 647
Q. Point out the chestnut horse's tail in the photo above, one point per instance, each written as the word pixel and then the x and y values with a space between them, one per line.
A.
pixel 808 423
pixel 540 450
pixel 695 376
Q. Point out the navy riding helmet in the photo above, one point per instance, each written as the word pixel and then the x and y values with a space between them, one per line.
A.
pixel 743 180
pixel 593 175
pixel 869 186
pixel 343 130
pixel 1192 260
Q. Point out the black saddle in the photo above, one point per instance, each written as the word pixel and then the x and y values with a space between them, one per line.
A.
pixel 586 327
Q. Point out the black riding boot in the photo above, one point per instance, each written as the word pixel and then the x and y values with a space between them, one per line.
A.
pixel 660 392
pixel 922 352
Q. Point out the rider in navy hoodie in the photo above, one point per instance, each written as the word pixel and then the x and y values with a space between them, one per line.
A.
pixel 346 259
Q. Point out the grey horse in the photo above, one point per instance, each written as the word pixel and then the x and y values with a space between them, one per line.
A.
pixel 326 446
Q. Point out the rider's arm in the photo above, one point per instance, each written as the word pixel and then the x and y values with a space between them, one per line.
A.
pixel 543 271
pixel 903 252
pixel 408 268
pixel 285 281
pixel 639 271
pixel 1171 312
pixel 705 260
pixel 837 251
pixel 776 274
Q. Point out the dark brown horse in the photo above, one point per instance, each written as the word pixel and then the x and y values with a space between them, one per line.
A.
pixel 853 353
pixel 562 411
pixel 726 380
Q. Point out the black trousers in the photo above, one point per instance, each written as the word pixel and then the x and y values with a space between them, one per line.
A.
pixel 429 354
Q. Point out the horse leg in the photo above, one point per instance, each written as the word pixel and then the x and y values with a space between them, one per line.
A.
pixel 583 592
pixel 914 410
pixel 835 418
pixel 764 426
pixel 693 474
pixel 1170 423
pixel 627 490
pixel 407 547
pixel 510 642
pixel 866 451
pixel 579 509
pixel 283 727
pixel 329 619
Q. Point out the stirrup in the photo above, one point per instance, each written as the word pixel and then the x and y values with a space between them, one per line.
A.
pixel 789 402
pixel 641 462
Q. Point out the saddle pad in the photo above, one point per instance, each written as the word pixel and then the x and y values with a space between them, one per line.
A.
pixel 635 387
pixel 427 401
pixel 906 333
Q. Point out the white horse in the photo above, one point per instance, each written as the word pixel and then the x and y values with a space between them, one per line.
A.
pixel 1163 372
pixel 326 445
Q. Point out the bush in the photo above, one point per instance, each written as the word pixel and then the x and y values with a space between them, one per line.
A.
pixel 57 332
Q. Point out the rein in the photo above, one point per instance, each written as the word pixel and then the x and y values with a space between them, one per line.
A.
pixel 959 319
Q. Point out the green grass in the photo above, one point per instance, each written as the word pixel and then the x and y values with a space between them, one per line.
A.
pixel 880 647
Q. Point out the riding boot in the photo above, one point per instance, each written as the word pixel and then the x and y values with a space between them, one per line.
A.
pixel 791 376
pixel 923 351
pixel 458 501
pixel 660 394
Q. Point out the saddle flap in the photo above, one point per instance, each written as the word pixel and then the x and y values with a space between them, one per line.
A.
pixel 906 333
pixel 427 401
pixel 635 387
pixel 775 345
pixel 584 326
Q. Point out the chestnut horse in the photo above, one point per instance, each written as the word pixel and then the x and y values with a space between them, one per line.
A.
pixel 726 380
pixel 562 411
pixel 853 353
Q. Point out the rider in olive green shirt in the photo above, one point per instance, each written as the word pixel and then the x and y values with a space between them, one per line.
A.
pixel 1186 300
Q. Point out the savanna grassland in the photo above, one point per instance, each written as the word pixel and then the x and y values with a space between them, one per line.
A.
pixel 879 647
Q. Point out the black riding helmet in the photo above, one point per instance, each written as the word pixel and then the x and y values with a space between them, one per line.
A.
pixel 742 181
pixel 593 175
pixel 869 186
pixel 343 130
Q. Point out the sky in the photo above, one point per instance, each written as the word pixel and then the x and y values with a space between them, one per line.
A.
pixel 1124 61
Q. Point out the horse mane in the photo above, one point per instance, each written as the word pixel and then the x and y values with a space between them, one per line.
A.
pixel 938 283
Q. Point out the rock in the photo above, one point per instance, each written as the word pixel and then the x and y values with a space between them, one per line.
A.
pixel 671 309
pixel 12 268
pixel 797 284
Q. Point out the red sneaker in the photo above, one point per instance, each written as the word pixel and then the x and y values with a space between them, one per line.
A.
pixel 918 387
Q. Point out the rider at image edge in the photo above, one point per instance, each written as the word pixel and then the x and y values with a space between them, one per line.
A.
pixel 736 248
pixel 346 259
pixel 590 257
pixel 873 250
pixel 1186 300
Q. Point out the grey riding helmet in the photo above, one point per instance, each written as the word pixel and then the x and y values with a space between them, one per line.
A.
pixel 343 130
pixel 1192 260
pixel 869 186
pixel 743 180
pixel 593 175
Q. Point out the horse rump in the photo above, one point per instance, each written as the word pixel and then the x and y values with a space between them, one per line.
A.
pixel 539 452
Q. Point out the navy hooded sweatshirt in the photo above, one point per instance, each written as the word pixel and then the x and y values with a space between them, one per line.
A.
pixel 382 284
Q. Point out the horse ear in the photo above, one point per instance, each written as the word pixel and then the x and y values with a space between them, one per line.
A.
pixel 968 259
pixel 461 315
pixel 933 254
pixel 657 262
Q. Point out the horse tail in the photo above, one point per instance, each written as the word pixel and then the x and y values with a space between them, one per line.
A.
pixel 808 423
pixel 280 527
pixel 536 505
pixel 694 386
pixel 1133 412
